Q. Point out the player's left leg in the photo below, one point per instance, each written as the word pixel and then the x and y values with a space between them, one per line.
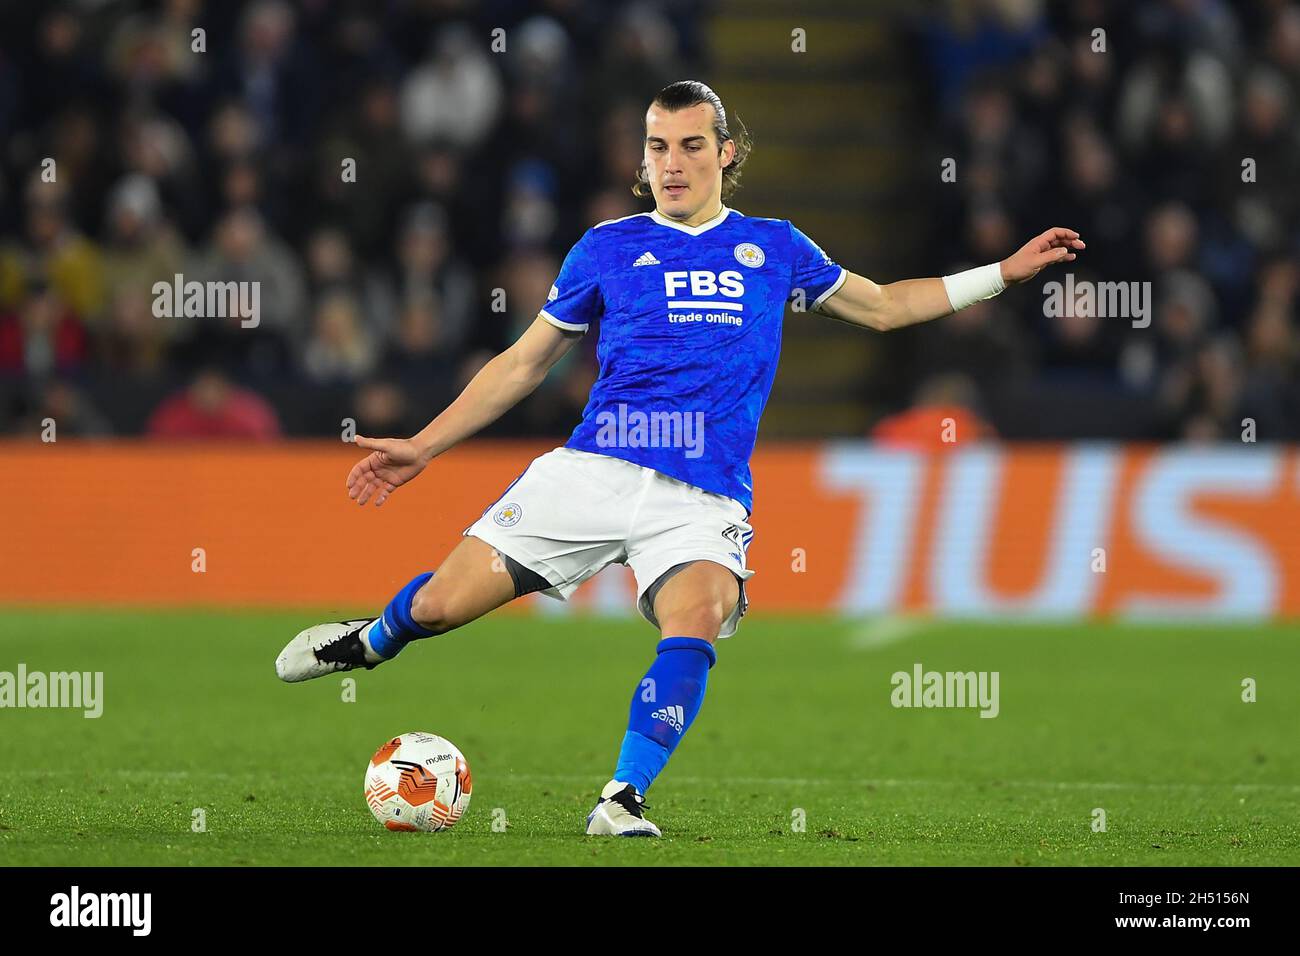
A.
pixel 692 603
pixel 695 600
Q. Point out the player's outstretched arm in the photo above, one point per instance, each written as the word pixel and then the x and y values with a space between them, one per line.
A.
pixel 860 301
pixel 500 385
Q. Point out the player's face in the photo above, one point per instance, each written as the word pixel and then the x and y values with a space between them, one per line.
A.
pixel 683 162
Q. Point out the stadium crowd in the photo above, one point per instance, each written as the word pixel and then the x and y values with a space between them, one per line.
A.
pixel 1165 132
pixel 475 169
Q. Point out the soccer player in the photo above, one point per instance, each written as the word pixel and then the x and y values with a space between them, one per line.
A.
pixel 690 299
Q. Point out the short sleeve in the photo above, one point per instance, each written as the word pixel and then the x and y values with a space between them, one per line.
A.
pixel 575 299
pixel 814 271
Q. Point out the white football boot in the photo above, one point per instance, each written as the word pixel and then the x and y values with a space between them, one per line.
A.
pixel 620 811
pixel 326 649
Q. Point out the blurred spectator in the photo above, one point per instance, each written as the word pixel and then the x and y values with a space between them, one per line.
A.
pixel 383 408
pixel 454 95
pixel 157 146
pixel 1097 199
pixel 141 248
pixel 1176 98
pixel 556 407
pixel 369 136
pixel 612 203
pixel 340 350
pixel 133 343
pixel 530 213
pixel 426 268
pixel 1184 313
pixel 242 250
pixel 418 353
pixel 942 416
pixel 43 336
pixel 639 53
pixel 332 266
pixel 980 343
pixel 973 37
pixel 1080 343
pixel 73 416
pixel 272 74
pixel 1266 209
pixel 149 53
pixel 55 253
pixel 526 279
pixel 214 407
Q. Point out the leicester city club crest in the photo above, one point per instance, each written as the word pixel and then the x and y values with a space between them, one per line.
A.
pixel 508 515
pixel 748 254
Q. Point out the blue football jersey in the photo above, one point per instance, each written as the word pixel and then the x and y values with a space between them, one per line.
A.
pixel 690 332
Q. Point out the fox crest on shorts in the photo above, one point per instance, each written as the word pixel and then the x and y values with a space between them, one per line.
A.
pixel 508 515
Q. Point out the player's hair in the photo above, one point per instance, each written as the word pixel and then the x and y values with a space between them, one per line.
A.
pixel 687 93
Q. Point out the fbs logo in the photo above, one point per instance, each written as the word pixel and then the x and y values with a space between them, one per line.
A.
pixel 701 282
pixel 672 715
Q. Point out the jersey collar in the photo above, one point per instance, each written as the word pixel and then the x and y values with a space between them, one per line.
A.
pixel 717 220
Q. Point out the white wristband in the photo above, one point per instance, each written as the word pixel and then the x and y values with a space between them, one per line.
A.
pixel 973 285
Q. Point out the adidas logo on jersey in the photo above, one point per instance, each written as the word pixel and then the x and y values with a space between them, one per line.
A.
pixel 646 259
pixel 671 715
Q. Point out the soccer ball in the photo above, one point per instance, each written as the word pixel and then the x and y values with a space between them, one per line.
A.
pixel 418 782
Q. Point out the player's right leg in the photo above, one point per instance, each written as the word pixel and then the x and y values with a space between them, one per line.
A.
pixel 471 582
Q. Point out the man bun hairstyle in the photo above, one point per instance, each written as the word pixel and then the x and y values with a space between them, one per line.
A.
pixel 683 95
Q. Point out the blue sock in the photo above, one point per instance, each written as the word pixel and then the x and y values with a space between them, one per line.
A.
pixel 395 627
pixel 663 707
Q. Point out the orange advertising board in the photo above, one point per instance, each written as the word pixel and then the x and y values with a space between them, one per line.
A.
pixel 997 530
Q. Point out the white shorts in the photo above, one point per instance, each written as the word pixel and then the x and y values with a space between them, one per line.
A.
pixel 572 512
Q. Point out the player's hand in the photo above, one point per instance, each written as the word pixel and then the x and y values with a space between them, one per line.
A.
pixel 391 463
pixel 1055 245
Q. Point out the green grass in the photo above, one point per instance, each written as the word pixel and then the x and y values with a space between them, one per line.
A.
pixel 1146 723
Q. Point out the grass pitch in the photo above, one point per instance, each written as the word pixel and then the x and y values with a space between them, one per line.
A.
pixel 1144 722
